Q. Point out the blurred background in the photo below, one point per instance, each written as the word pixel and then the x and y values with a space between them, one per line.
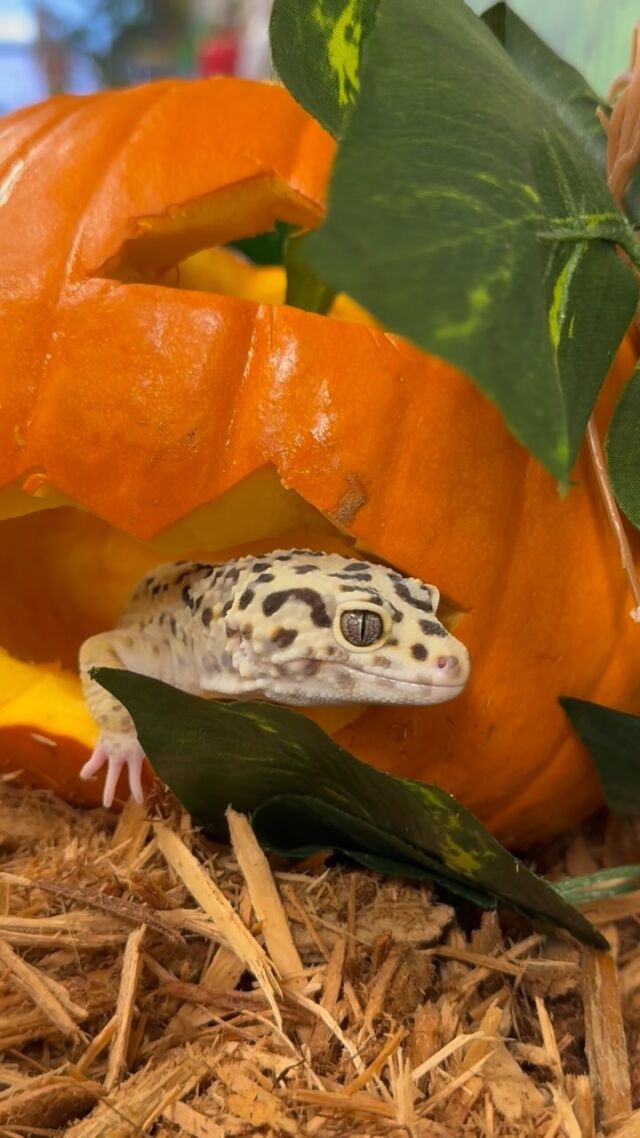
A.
pixel 48 46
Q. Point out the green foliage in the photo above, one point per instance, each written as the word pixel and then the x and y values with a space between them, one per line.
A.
pixel 316 50
pixel 612 738
pixel 468 210
pixel 593 35
pixel 266 248
pixel 306 793
pixel 623 450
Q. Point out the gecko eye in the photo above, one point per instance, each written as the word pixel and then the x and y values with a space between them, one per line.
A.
pixel 361 627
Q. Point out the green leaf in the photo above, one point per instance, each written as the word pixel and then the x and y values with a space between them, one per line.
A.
pixel 283 824
pixel 594 36
pixel 555 80
pixel 304 288
pixel 467 215
pixel 623 450
pixel 560 84
pixel 265 248
pixel 612 738
pixel 315 45
pixel 600 885
pixel 306 791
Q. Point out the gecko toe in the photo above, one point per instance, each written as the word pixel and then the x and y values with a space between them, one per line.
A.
pixel 114 768
pixel 99 756
pixel 116 753
pixel 136 763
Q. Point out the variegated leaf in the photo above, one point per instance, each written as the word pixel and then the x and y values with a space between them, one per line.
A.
pixel 469 212
pixel 306 792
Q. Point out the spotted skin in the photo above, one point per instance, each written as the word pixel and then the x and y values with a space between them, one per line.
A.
pixel 274 627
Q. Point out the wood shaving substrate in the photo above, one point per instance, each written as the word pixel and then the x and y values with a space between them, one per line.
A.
pixel 154 983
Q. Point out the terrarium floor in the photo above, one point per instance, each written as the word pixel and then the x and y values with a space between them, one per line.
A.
pixel 154 983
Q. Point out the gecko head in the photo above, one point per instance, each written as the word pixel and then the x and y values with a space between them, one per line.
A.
pixel 310 628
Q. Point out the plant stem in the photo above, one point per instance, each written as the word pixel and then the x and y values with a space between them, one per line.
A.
pixel 613 514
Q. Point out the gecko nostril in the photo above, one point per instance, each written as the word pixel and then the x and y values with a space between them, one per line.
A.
pixel 451 663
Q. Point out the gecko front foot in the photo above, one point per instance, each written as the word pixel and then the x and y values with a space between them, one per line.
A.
pixel 116 751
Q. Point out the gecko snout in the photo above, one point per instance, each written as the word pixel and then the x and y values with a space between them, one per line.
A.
pixel 451 669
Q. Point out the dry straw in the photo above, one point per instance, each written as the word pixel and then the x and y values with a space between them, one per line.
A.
pixel 154 984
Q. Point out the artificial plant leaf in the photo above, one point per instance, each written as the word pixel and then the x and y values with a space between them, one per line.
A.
pixel 247 755
pixel 594 36
pixel 612 738
pixel 623 449
pixel 283 825
pixel 467 215
pixel 316 52
pixel 564 88
pixel 304 288
pixel 265 248
pixel 556 81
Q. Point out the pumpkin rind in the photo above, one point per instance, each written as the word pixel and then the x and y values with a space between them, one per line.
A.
pixel 142 403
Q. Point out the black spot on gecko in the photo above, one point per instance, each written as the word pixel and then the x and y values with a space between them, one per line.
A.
pixel 207 616
pixel 181 576
pixel 225 608
pixel 232 575
pixel 173 625
pixel 263 578
pixel 319 615
pixel 382 662
pixel 156 589
pixel 297 553
pixel 186 597
pixel 258 566
pixel 357 566
pixel 245 599
pixel 196 605
pixel 405 594
pixel 247 629
pixel 419 652
pixel 283 637
pixel 352 576
pixel 371 594
pixel 311 667
pixel 305 569
pixel 392 642
pixel 207 570
pixel 432 628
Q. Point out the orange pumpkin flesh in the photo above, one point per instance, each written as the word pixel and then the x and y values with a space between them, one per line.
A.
pixel 181 420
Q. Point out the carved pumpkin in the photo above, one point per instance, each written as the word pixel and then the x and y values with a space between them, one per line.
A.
pixel 163 401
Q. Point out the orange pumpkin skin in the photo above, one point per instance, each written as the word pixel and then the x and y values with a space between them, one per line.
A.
pixel 142 402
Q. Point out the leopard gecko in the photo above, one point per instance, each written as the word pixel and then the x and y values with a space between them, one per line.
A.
pixel 293 626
